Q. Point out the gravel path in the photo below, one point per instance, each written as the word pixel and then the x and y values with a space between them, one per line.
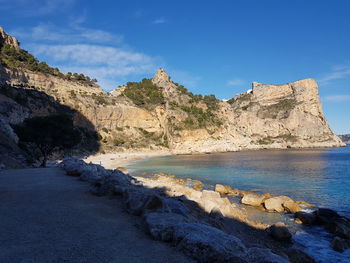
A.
pixel 46 216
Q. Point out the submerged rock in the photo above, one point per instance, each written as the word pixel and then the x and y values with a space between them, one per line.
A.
pixel 305 218
pixel 279 232
pixel 264 255
pixel 298 256
pixel 340 244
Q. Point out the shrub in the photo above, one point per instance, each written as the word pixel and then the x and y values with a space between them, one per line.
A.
pixel 280 109
pixel 144 93
pixel 48 134
pixel 11 57
pixel 118 142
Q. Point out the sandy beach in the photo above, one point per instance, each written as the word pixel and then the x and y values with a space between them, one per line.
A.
pixel 115 160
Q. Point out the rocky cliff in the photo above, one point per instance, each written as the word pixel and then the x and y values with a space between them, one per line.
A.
pixel 159 114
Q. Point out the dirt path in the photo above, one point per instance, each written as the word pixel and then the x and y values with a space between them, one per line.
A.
pixel 46 216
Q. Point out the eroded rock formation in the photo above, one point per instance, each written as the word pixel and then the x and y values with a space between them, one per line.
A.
pixel 159 114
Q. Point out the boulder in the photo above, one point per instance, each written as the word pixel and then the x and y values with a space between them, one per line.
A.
pixel 264 255
pixel 138 201
pixel 73 167
pixel 161 226
pixel 172 205
pixel 298 256
pixel 291 207
pixel 279 232
pixel 340 227
pixel 208 244
pixel 253 199
pixel 210 195
pixel 305 218
pixel 89 176
pixel 221 189
pixel 340 244
pixel 325 216
pixel 276 203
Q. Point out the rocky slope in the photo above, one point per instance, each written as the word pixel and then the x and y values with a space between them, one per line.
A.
pixel 160 114
pixel 345 138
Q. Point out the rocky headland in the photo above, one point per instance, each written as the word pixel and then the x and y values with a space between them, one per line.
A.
pixel 156 114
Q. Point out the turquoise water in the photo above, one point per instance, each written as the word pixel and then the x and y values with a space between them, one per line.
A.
pixel 318 176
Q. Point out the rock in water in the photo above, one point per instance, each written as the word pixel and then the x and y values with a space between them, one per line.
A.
pixel 279 232
pixel 276 203
pixel 291 207
pixel 253 199
pixel 340 244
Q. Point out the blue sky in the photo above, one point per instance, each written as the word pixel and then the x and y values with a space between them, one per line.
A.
pixel 215 47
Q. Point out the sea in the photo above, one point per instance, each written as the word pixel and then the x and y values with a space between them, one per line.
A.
pixel 317 176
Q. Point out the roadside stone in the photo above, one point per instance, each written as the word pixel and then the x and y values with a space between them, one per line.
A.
pixel 161 226
pixel 137 201
pixel 208 244
pixel 253 199
pixel 279 232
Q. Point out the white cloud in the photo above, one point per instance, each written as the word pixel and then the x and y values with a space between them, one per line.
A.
pixel 338 72
pixel 338 98
pixel 96 53
pixel 235 82
pixel 159 21
pixel 75 34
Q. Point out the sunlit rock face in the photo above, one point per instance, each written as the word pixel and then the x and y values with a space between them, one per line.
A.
pixel 7 39
pixel 171 118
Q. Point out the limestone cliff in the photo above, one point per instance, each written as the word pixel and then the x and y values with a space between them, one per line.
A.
pixel 157 113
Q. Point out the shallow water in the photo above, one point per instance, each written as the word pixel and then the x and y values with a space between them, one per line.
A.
pixel 318 176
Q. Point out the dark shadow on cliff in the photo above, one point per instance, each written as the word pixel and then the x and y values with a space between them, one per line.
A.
pixel 20 102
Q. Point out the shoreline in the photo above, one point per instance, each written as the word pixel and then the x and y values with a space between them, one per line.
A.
pixel 122 159
pixel 165 195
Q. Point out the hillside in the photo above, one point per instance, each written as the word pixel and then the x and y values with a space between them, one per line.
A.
pixel 157 113
pixel 345 138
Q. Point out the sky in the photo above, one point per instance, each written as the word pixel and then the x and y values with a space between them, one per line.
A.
pixel 211 47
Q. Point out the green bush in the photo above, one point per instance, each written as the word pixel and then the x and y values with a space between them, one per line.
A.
pixel 144 93
pixel 48 134
pixel 13 58
pixel 280 109
pixel 118 142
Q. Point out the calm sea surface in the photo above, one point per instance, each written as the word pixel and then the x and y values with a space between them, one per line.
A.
pixel 318 176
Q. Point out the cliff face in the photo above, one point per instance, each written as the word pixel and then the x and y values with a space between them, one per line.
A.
pixel 160 114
